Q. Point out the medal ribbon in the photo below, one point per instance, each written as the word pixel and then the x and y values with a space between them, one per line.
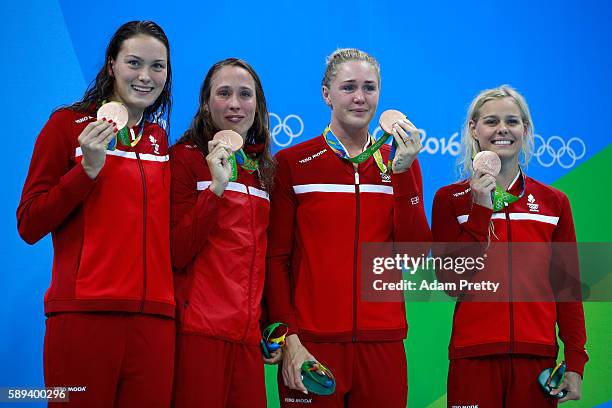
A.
pixel 503 198
pixel 374 149
pixel 123 135
pixel 241 158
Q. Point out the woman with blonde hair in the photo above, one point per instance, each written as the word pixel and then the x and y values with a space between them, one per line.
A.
pixel 329 198
pixel 499 348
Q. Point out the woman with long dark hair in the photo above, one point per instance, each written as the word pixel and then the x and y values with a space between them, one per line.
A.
pixel 102 189
pixel 220 209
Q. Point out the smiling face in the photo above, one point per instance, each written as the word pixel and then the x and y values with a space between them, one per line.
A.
pixel 232 103
pixel 353 94
pixel 139 72
pixel 500 128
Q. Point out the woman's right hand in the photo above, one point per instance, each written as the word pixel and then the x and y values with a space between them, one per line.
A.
pixel 482 185
pixel 294 356
pixel 94 140
pixel 219 166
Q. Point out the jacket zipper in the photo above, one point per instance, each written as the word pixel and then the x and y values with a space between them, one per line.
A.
pixel 510 303
pixel 144 232
pixel 246 329
pixel 355 254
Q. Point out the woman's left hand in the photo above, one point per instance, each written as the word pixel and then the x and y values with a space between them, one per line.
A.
pixel 276 357
pixel 572 383
pixel 408 140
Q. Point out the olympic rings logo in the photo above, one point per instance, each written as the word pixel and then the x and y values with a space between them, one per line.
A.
pixel 547 151
pixel 286 126
pixel 556 150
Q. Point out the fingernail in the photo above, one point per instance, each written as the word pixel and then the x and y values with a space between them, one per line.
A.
pixel 104 119
pixel 115 129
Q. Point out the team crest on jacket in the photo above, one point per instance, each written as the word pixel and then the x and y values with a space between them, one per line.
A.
pixel 386 178
pixel 154 144
pixel 531 203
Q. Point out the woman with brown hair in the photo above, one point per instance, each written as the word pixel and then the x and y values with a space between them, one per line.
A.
pixel 220 209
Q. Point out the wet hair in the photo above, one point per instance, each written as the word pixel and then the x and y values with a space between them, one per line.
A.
pixel 102 88
pixel 469 145
pixel 342 55
pixel 202 128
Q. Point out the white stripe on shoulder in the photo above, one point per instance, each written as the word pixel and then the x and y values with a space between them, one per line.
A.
pixel 202 185
pixel 375 188
pixel 324 188
pixel 128 155
pixel 259 193
pixel 548 219
pixel 535 217
pixel 237 187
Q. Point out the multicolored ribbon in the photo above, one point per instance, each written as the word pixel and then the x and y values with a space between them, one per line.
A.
pixel 503 198
pixel 123 135
pixel 373 150
pixel 241 158
pixel 273 338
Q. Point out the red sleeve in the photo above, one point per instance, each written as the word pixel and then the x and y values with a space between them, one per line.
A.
pixel 447 229
pixel 409 220
pixel 54 186
pixel 281 238
pixel 570 315
pixel 192 215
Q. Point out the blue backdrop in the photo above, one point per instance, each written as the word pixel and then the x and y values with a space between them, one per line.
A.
pixel 435 57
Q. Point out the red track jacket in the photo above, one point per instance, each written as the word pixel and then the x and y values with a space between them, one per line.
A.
pixel 322 211
pixel 543 214
pixel 110 235
pixel 218 249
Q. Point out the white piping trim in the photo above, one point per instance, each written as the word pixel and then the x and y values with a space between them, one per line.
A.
pixel 129 155
pixel 324 188
pixel 259 193
pixel 342 188
pixel 237 187
pixel 202 185
pixel 548 219
pixel 375 188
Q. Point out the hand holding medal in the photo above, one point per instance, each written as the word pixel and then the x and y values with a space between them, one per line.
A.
pixel 407 140
pixel 96 136
pixel 486 166
pixel 232 142
pixel 117 114
pixel 220 152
